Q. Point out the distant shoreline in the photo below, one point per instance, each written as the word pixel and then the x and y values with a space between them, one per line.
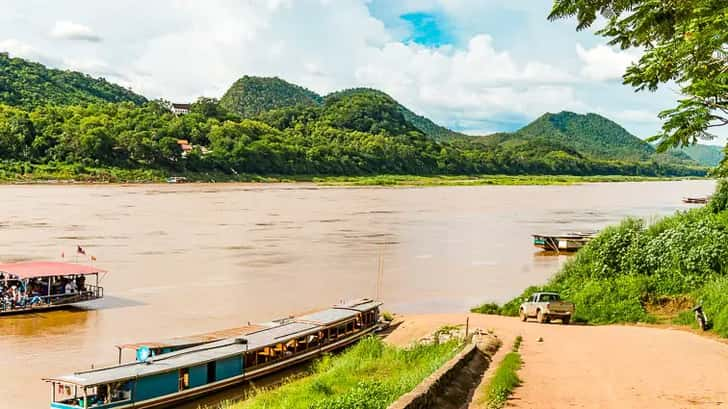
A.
pixel 348 181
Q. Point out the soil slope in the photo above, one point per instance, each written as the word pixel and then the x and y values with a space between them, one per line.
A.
pixel 601 367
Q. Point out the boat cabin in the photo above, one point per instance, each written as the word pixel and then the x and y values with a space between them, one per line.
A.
pixel 187 373
pixel 33 286
pixel 145 349
pixel 562 242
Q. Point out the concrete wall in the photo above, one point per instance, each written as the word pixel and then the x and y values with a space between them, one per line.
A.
pixel 451 385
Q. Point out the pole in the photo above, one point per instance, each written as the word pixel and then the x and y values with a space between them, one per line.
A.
pixel 467 326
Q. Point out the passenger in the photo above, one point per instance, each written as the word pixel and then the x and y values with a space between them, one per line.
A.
pixel 81 283
pixel 68 289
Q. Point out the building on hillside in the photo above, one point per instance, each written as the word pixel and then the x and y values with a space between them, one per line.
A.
pixel 185 145
pixel 180 109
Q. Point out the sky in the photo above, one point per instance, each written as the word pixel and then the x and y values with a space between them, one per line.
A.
pixel 476 66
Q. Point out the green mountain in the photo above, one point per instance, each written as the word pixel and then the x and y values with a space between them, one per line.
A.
pixel 27 84
pixel 250 96
pixel 590 134
pixel 706 155
pixel 425 125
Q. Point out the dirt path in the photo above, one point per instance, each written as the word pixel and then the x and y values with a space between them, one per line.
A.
pixel 601 367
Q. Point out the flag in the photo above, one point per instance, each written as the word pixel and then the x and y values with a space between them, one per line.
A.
pixel 93 258
pixel 80 250
pixel 63 254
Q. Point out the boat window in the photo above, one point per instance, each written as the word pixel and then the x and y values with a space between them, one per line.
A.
pixel 184 379
pixel 211 369
pixel 101 395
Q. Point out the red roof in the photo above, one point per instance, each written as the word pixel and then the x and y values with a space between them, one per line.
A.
pixel 32 269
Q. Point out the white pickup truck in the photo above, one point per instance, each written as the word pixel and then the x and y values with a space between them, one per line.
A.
pixel 546 306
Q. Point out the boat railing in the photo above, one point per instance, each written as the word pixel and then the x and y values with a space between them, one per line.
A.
pixel 89 292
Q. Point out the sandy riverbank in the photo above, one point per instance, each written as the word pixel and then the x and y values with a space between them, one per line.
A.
pixel 600 366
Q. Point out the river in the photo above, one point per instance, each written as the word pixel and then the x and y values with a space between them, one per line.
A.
pixel 185 259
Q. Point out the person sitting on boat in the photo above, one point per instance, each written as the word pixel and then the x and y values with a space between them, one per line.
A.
pixel 70 287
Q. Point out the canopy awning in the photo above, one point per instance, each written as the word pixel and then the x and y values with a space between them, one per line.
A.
pixel 33 269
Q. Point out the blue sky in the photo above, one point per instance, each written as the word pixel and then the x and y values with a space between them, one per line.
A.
pixel 477 66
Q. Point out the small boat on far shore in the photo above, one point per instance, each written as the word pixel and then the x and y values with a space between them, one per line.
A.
pixel 176 179
pixel 567 242
pixel 696 200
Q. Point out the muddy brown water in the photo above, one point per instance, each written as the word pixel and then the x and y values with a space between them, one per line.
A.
pixel 186 259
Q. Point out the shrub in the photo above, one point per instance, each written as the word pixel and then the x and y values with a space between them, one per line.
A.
pixel 487 308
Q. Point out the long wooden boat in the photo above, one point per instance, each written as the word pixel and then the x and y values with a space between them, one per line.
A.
pixel 696 200
pixel 568 242
pixel 43 285
pixel 170 378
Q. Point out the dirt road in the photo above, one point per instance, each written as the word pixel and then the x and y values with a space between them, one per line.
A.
pixel 601 367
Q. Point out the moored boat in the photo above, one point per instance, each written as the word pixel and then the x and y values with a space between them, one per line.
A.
pixel 696 200
pixel 44 285
pixel 562 242
pixel 170 378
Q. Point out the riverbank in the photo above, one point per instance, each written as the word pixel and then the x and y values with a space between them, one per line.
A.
pixel 25 173
pixel 652 272
pixel 610 366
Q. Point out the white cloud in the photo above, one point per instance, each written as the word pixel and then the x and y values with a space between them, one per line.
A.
pixel 637 116
pixel 68 30
pixel 603 62
pixel 470 84
pixel 20 49
pixel 181 49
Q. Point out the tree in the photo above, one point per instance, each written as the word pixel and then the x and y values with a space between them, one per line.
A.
pixel 685 41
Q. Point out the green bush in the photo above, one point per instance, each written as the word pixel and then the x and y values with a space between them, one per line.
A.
pixel 487 308
pixel 628 267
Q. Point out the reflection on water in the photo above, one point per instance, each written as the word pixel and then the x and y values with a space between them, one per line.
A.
pixel 187 259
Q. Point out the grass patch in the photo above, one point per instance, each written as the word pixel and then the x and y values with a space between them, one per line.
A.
pixel 26 172
pixel 475 180
pixel 505 379
pixel 370 375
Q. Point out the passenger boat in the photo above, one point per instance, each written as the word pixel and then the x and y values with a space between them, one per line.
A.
pixel 562 242
pixel 36 286
pixel 169 378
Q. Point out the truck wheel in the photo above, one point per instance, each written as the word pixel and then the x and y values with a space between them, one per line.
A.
pixel 566 320
pixel 522 315
pixel 541 317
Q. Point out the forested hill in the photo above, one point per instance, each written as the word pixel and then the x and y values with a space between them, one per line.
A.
pixel 250 96
pixel 27 84
pixel 425 125
pixel 706 155
pixel 590 134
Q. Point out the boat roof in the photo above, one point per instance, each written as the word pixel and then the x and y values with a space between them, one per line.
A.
pixel 34 269
pixel 284 331
pixel 196 339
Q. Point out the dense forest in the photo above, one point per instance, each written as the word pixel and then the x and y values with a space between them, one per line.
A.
pixel 28 85
pixel 250 96
pixel 269 127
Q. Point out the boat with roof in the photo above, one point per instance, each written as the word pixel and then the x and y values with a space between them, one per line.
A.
pixel 168 373
pixel 35 286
